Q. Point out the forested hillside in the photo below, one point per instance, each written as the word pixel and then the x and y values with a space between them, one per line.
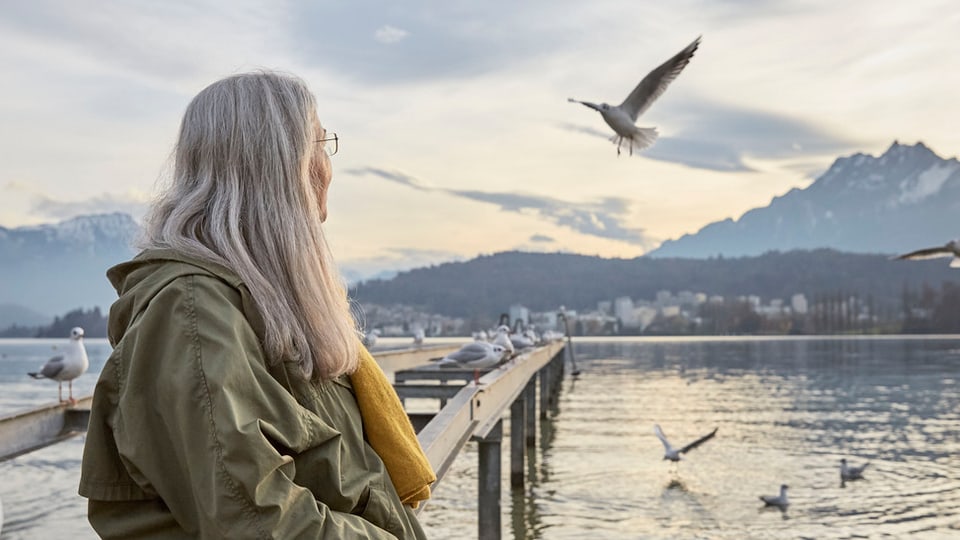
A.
pixel 544 281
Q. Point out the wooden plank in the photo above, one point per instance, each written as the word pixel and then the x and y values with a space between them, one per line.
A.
pixel 445 435
pixel 396 360
pixel 499 388
pixel 31 430
pixel 438 391
pixel 476 408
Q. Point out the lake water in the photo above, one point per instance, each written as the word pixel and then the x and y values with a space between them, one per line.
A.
pixel 787 411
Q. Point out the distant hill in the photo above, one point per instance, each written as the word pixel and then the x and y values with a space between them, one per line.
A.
pixel 903 200
pixel 11 314
pixel 51 269
pixel 543 281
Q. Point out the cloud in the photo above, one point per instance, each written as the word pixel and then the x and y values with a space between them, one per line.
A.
pixel 720 137
pixel 603 218
pixel 454 39
pixel 388 34
pixel 397 177
pixel 541 238
pixel 391 261
pixel 133 203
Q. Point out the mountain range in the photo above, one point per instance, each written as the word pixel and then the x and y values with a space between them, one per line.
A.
pixel 904 199
pixel 47 270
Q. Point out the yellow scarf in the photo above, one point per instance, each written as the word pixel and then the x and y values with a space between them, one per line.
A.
pixel 390 433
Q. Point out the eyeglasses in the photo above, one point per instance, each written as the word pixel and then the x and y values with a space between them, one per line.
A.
pixel 330 149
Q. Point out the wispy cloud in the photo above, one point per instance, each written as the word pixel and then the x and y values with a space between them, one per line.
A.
pixel 389 34
pixel 390 261
pixel 133 203
pixel 541 238
pixel 720 137
pixel 603 218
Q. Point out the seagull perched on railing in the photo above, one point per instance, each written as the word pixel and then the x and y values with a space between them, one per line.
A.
pixel 779 500
pixel 67 366
pixel 950 249
pixel 673 454
pixel 418 336
pixel 848 472
pixel 622 118
pixel 370 338
pixel 476 354
pixel 503 339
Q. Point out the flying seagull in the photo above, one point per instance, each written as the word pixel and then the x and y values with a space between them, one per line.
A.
pixel 669 452
pixel 950 249
pixel 67 366
pixel 779 500
pixel 622 118
pixel 848 472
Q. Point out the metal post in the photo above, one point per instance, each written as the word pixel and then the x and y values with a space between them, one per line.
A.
pixel 517 444
pixel 488 483
pixel 529 400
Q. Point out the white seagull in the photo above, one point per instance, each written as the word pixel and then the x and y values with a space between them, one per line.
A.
pixel 418 336
pixel 673 454
pixel 370 338
pixel 950 249
pixel 476 354
pixel 503 339
pixel 67 366
pixel 848 472
pixel 622 118
pixel 779 500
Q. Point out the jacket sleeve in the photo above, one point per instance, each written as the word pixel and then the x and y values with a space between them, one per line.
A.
pixel 203 425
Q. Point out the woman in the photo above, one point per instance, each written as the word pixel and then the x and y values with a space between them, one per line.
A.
pixel 227 408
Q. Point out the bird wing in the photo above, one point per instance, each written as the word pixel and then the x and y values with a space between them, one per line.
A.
pixel 470 352
pixel 53 367
pixel 927 253
pixel 662 437
pixel 698 442
pixel 656 82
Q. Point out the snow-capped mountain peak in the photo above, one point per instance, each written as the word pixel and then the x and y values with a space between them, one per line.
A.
pixel 906 197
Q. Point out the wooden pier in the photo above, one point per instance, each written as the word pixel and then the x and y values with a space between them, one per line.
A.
pixel 471 406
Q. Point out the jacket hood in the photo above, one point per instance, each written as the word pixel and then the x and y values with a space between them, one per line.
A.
pixel 139 280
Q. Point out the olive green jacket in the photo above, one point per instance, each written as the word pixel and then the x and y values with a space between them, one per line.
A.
pixel 195 434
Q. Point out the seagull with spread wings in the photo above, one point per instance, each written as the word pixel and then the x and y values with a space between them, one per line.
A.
pixel 622 118
pixel 950 249
pixel 673 454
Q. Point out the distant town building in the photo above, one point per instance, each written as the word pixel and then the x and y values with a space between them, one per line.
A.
pixel 623 310
pixel 799 304
pixel 518 311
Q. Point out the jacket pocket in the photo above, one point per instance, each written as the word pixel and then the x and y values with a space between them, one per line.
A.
pixel 375 507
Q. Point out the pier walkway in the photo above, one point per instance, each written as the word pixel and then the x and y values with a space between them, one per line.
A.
pixel 471 405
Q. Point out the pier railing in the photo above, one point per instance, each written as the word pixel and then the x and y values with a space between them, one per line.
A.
pixel 471 407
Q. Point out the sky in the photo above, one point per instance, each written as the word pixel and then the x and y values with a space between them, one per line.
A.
pixel 456 137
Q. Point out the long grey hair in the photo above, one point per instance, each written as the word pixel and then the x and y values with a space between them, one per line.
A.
pixel 242 196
